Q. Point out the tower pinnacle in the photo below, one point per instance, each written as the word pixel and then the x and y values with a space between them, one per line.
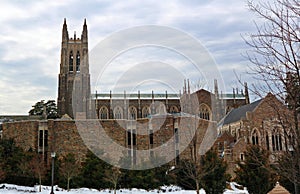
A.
pixel 65 35
pixel 84 36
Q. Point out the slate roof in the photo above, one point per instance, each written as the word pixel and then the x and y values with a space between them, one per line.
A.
pixel 237 113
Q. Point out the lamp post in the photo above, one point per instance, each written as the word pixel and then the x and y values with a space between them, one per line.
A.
pixel 52 174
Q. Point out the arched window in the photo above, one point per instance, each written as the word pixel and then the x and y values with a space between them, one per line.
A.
pixel 161 109
pixel 255 137
pixel 153 109
pixel 71 61
pixel 276 140
pixel 204 112
pixel 118 113
pixel 173 109
pixel 290 142
pixel 103 113
pixel 78 62
pixel 132 113
pixel 145 111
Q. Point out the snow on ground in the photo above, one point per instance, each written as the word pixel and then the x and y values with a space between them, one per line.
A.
pixel 14 189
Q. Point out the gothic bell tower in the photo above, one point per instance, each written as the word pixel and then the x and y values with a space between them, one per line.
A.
pixel 74 78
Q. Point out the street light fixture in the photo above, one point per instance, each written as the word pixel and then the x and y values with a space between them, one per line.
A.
pixel 52 174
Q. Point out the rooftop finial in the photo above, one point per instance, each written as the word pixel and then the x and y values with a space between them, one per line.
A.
pixel 189 89
pixel 184 87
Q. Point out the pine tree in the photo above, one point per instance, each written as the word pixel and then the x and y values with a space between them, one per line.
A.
pixel 255 171
pixel 214 181
pixel 92 174
pixel 13 161
pixel 49 109
pixel 209 172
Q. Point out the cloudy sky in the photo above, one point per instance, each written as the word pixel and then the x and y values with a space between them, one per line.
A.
pixel 30 40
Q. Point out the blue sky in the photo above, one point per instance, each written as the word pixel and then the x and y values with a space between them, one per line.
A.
pixel 30 40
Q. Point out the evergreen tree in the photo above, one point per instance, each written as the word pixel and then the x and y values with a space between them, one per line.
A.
pixel 151 178
pixel 13 162
pixel 255 172
pixel 215 180
pixel 49 109
pixel 209 172
pixel 286 165
pixel 92 174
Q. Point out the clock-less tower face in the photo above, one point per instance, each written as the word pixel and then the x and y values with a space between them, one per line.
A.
pixel 74 78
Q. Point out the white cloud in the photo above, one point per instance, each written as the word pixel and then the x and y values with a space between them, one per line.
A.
pixel 30 39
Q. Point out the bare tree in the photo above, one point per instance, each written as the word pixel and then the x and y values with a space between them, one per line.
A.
pixel 38 168
pixel 275 56
pixel 113 176
pixel 193 165
pixel 69 168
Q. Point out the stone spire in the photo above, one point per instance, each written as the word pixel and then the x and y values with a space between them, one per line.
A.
pixel 84 36
pixel 65 34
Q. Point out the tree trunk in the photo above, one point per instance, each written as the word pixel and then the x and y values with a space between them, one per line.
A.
pixel 115 188
pixel 40 181
pixel 68 184
pixel 197 187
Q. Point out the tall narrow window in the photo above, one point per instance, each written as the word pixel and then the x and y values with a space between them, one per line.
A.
pixel 78 62
pixel 290 142
pixel 46 138
pixel 273 142
pixel 132 113
pixel 145 112
pixel 41 138
pixel 71 57
pixel 255 138
pixel 242 156
pixel 176 135
pixel 276 141
pixel 118 112
pixel 267 142
pixel 133 137
pixel 129 138
pixel 103 113
pixel 204 112
pixel 151 137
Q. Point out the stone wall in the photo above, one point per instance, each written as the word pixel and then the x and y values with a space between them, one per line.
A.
pixel 25 133
pixel 69 136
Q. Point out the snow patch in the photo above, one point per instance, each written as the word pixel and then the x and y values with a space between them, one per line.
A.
pixel 15 189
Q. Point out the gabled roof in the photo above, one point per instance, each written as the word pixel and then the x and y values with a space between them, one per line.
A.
pixel 278 189
pixel 236 114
